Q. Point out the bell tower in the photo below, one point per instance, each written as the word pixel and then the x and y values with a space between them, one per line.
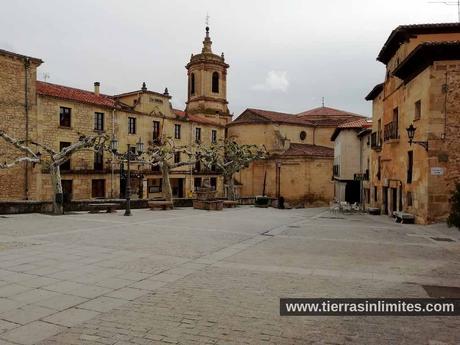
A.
pixel 207 84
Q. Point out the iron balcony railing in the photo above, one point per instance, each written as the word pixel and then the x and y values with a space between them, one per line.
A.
pixel 391 131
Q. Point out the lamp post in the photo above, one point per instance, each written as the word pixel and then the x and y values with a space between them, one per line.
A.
pixel 129 155
pixel 411 134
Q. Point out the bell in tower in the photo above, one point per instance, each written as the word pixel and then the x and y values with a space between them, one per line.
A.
pixel 207 84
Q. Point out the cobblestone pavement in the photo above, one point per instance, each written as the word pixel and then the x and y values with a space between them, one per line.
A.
pixel 195 277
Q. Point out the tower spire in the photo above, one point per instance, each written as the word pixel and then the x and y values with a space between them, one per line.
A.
pixel 207 43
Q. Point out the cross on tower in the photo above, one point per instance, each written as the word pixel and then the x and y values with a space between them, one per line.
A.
pixel 207 19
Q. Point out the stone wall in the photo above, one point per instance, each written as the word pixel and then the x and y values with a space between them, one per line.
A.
pixel 16 183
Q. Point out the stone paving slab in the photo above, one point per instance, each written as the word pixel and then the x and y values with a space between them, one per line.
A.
pixel 193 277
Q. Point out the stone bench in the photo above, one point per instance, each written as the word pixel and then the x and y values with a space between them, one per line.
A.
pixel 230 203
pixel 210 205
pixel 161 204
pixel 107 207
pixel 403 217
pixel 373 210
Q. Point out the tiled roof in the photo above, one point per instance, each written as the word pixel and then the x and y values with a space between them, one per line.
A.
pixel 73 94
pixel 424 55
pixel 20 56
pixel 182 115
pixel 403 32
pixel 361 123
pixel 326 112
pixel 251 115
pixel 308 150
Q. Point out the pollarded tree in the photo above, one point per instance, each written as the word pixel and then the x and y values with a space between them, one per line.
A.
pixel 167 155
pixel 228 157
pixel 52 160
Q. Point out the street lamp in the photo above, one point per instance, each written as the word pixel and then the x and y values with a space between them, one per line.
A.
pixel 129 155
pixel 411 134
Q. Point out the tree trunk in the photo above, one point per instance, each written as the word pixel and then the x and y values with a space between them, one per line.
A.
pixel 228 180
pixel 167 190
pixel 58 207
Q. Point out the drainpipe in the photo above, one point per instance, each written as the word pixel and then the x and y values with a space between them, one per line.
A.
pixel 113 155
pixel 26 108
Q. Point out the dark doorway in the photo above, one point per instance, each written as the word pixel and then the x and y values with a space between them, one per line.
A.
pixel 352 192
pixel 385 199
pixel 394 199
pixel 98 188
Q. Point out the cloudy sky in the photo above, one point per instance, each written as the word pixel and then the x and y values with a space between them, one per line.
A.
pixel 283 55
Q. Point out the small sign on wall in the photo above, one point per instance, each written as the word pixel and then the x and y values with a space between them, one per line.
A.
pixel 437 171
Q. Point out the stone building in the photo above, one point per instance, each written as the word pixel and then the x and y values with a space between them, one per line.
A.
pixel 299 168
pixel 352 161
pixel 421 89
pixel 57 115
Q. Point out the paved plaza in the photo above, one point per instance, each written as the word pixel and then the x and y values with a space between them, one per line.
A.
pixel 195 277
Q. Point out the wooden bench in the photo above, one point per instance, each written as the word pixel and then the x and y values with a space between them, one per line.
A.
pixel 161 204
pixel 404 218
pixel 230 203
pixel 107 207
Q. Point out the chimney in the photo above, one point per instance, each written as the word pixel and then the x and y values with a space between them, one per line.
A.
pixel 96 88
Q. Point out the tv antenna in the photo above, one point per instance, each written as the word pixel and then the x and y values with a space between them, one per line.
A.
pixel 449 3
pixel 46 76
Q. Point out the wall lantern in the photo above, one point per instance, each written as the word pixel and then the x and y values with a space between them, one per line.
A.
pixel 411 134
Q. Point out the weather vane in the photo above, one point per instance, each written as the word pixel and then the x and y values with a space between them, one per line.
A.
pixel 449 3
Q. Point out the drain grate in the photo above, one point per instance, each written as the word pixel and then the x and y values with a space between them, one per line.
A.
pixel 442 239
pixel 442 291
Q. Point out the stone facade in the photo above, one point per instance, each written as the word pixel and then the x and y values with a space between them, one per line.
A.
pixel 18 109
pixel 422 89
pixel 152 112
pixel 301 154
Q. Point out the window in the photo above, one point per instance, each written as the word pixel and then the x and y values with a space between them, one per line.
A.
pixel 176 157
pixel 303 135
pixel 177 131
pixel 396 121
pixel 98 188
pixel 66 165
pixel 131 125
pixel 192 84
pixel 376 194
pixel 64 117
pixel 155 185
pixel 418 110
pixel 410 163
pixel 156 130
pixel 99 122
pixel 213 183
pixel 409 199
pixel 214 136
pixel 98 161
pixel 379 162
pixel 215 82
pixel 198 135
pixel 197 183
pixel 197 166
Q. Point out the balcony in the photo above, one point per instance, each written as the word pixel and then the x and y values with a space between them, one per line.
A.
pixel 391 131
pixel 376 141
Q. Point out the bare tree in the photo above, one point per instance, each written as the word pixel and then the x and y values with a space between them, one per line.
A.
pixel 229 157
pixel 164 154
pixel 52 160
